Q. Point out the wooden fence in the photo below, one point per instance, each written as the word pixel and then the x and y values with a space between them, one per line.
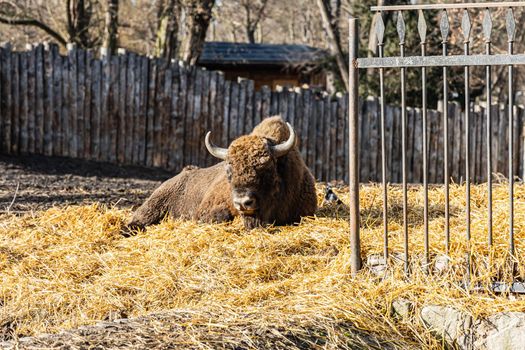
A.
pixel 131 109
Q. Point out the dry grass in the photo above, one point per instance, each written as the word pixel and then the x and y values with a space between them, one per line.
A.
pixel 69 266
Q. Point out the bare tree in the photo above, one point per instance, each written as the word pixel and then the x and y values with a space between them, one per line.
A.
pixel 14 14
pixel 330 23
pixel 197 15
pixel 167 28
pixel 79 27
pixel 111 30
pixel 254 11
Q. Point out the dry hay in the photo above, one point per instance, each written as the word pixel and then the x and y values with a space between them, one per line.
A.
pixel 69 266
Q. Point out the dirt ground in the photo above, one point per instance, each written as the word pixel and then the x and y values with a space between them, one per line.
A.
pixel 31 183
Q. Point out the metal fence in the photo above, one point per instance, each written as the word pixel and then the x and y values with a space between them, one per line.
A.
pixel 423 62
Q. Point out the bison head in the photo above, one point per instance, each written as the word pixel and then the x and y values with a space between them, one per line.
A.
pixel 251 168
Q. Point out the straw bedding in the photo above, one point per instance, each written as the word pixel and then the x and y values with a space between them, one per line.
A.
pixel 280 287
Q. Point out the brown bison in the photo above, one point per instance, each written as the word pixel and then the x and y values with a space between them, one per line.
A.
pixel 262 178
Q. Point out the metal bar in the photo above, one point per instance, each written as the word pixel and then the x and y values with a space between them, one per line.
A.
pixel 353 141
pixel 466 32
pixel 489 143
pixel 511 30
pixel 383 157
pixel 425 151
pixel 401 32
pixel 511 153
pixel 445 27
pixel 440 61
pixel 467 5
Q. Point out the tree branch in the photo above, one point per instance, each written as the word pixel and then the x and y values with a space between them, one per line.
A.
pixel 34 23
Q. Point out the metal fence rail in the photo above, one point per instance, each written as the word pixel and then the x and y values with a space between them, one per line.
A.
pixel 422 62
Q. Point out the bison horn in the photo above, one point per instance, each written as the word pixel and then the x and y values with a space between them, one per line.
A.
pixel 215 151
pixel 283 148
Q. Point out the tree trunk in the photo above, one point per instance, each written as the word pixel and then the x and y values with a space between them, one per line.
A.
pixel 167 29
pixel 335 44
pixel 111 31
pixel 197 19
pixel 250 32
pixel 79 13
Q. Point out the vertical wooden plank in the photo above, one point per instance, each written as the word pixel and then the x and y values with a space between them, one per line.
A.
pixel 7 94
pixel 203 121
pixel 313 115
pixel 515 142
pixel 23 103
pixel 371 145
pixel 96 110
pixel 40 96
pixel 292 95
pixel 226 113
pixel 341 116
pixel 451 141
pixel 299 117
pixel 87 105
pixel 218 128
pixel 150 132
pixel 136 111
pixel 130 71
pixel 519 135
pixel 80 101
pixel 283 104
pixel 417 152
pixel 456 134
pixel 364 126
pixel 242 117
pixel 326 132
pixel 121 116
pixel 332 140
pixel 143 118
pixel 434 146
pixel 389 140
pixel 396 146
pixel 73 101
pixel 196 115
pixel 57 131
pixel 503 140
pixel 176 125
pixel 307 96
pixel 324 105
pixel 266 100
pixel 249 110
pixel 495 142
pixel 166 120
pixel 274 104
pixel 188 116
pixel 29 104
pixel 344 152
pixel 234 112
pixel 212 117
pixel 257 108
pixel 108 121
pixel 48 102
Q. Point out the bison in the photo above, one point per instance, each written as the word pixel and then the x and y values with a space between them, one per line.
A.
pixel 261 178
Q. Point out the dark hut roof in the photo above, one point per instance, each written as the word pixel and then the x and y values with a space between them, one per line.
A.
pixel 225 53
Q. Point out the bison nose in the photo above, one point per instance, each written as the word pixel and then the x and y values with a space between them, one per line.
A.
pixel 245 203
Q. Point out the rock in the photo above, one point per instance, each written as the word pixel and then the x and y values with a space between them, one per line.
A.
pixel 376 263
pixel 402 307
pixel 504 330
pixel 441 263
pixel 451 325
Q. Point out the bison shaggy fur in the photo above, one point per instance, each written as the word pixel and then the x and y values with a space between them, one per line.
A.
pixel 281 188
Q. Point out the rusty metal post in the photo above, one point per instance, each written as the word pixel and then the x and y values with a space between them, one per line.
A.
pixel 353 154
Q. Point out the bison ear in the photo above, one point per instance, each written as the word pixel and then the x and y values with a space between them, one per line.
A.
pixel 282 149
pixel 215 151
